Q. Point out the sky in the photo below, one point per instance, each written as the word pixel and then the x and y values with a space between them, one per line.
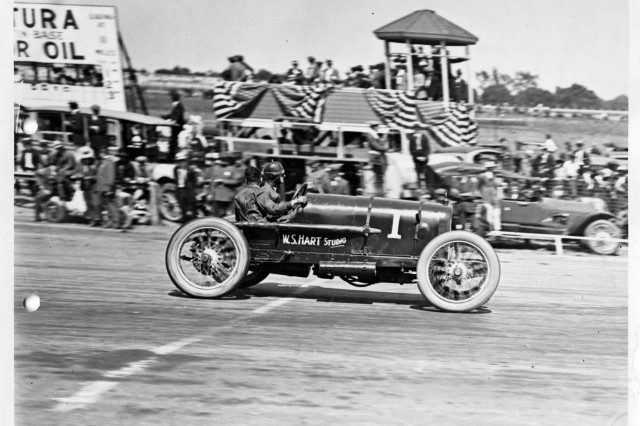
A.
pixel 561 41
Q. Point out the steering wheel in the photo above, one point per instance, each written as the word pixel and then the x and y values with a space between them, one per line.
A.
pixel 301 192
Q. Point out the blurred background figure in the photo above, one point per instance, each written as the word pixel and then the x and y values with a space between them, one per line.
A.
pixel 225 177
pixel 75 124
pixel 330 74
pixel 105 187
pixel 186 184
pixel 420 150
pixel 176 117
pixel 295 74
pixel 97 130
pixel 86 172
pixel 488 187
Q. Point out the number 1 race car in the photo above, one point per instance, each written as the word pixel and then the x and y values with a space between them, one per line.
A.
pixel 362 240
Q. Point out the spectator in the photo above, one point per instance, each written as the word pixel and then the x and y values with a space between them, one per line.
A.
pixel 377 155
pixel 176 117
pixel 75 124
pixel 622 182
pixel 97 130
pixel 378 77
pixel 506 158
pixel 319 175
pixel 593 149
pixel 550 145
pixel 45 180
pixel 312 74
pixel 420 150
pixel 227 73
pixel 186 184
pixel 65 164
pixel 295 75
pixel 125 171
pixel 86 172
pixel 526 166
pixel 338 185
pixel 103 193
pixel 582 161
pixel 330 74
pixel 488 187
pixel 245 70
pixel 546 164
pixel 459 88
pixel 197 142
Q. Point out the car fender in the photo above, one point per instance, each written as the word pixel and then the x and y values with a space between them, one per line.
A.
pixel 578 228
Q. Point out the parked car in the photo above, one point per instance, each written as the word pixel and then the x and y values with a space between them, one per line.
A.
pixel 531 213
pixel 362 240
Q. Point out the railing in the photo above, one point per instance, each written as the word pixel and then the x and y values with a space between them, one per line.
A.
pixel 556 238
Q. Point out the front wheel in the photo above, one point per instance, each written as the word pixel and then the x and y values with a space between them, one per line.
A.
pixel 207 257
pixel 458 271
pixel 605 231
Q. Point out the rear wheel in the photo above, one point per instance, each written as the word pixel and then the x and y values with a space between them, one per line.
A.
pixel 604 231
pixel 207 257
pixel 253 278
pixel 458 271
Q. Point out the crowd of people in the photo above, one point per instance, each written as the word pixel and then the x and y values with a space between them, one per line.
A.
pixel 208 180
pixel 426 74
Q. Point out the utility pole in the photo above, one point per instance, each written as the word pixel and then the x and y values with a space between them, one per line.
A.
pixel 138 96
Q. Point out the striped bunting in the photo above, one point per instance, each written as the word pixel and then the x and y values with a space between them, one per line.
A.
pixel 456 128
pixel 401 109
pixel 230 97
pixel 302 101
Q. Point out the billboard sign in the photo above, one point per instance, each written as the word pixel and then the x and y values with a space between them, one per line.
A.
pixel 67 53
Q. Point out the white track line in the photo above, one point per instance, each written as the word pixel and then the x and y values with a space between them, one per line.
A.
pixel 90 392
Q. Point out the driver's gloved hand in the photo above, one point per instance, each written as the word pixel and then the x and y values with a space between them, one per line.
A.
pixel 299 200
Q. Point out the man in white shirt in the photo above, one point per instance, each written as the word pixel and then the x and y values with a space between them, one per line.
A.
pixel 550 145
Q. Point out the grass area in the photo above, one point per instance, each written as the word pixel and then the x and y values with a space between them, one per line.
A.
pixel 561 129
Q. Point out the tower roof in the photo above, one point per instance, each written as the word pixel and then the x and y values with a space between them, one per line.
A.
pixel 425 27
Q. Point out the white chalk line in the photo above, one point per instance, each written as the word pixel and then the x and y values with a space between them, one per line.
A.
pixel 91 392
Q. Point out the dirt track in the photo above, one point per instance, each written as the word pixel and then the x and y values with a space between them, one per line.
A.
pixel 115 343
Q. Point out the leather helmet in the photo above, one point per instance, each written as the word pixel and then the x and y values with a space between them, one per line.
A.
pixel 273 171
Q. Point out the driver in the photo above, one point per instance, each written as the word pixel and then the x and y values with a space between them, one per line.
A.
pixel 269 202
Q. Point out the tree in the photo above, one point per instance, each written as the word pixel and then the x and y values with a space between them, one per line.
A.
pixel 533 96
pixel 263 75
pixel 483 79
pixel 578 97
pixel 496 94
pixel 619 103
pixel 524 80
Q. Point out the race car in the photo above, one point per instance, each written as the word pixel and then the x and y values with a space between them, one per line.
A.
pixel 362 240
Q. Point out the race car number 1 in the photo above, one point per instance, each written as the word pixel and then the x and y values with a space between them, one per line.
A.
pixel 394 227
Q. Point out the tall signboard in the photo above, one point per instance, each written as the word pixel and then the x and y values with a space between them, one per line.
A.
pixel 67 53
